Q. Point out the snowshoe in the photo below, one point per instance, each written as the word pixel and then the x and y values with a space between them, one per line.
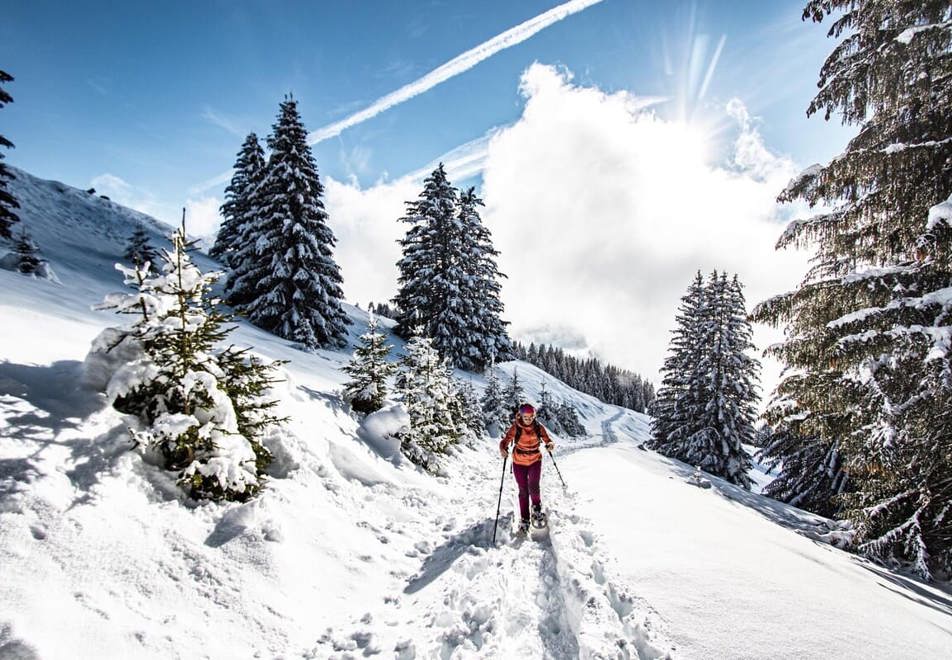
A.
pixel 539 519
pixel 523 528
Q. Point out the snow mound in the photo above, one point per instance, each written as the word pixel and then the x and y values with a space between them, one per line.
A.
pixel 379 430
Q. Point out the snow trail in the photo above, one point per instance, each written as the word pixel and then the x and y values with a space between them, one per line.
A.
pixel 556 597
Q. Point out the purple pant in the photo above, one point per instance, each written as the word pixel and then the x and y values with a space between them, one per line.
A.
pixel 527 476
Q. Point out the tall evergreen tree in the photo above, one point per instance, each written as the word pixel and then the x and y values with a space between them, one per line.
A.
pixel 679 399
pixel 139 250
pixel 7 201
pixel 419 296
pixel 481 288
pixel 705 411
pixel 240 201
pixel 293 278
pixel 369 370
pixel 867 329
pixel 449 282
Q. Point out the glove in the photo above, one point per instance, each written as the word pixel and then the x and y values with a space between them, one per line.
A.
pixel 550 446
pixel 503 453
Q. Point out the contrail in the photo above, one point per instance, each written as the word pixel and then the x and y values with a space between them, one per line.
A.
pixel 457 65
pixel 454 67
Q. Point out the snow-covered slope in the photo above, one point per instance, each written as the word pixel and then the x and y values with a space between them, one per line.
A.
pixel 347 553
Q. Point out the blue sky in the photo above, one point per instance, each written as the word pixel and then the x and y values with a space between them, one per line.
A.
pixel 159 94
pixel 618 200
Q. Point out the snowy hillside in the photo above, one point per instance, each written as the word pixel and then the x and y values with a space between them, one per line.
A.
pixel 349 553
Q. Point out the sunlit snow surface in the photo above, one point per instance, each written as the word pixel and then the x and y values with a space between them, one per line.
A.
pixel 352 553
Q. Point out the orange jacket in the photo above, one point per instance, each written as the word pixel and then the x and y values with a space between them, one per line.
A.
pixel 527 450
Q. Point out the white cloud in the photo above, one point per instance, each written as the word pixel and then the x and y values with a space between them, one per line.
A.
pixel 365 222
pixel 201 216
pixel 603 212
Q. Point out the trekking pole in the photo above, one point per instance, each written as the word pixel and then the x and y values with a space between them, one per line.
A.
pixel 502 480
pixel 556 468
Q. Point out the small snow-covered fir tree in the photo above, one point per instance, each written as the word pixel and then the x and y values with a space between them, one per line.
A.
pixel 7 201
pixel 139 250
pixel 428 394
pixel 568 419
pixel 28 259
pixel 240 203
pixel 867 329
pixel 496 417
pixel 368 371
pixel 202 408
pixel 292 283
pixel 513 396
pixel 548 413
pixel 469 411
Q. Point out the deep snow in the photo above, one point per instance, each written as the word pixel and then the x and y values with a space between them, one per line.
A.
pixel 351 552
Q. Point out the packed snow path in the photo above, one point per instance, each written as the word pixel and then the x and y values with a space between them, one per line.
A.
pixel 549 595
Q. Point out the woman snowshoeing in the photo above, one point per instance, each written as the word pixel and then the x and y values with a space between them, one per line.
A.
pixel 527 435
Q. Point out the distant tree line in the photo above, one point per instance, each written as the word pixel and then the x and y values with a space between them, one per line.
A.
pixel 603 381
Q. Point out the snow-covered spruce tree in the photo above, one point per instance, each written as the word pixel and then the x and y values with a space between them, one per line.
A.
pixel 568 419
pixel 448 276
pixel 428 394
pixel 513 396
pixel 711 410
pixel 679 399
pixel 868 327
pixel 496 417
pixel 728 418
pixel 480 290
pixel 7 201
pixel 202 408
pixel 431 270
pixel 28 259
pixel 547 412
pixel 469 411
pixel 369 370
pixel 139 251
pixel 239 207
pixel 293 282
